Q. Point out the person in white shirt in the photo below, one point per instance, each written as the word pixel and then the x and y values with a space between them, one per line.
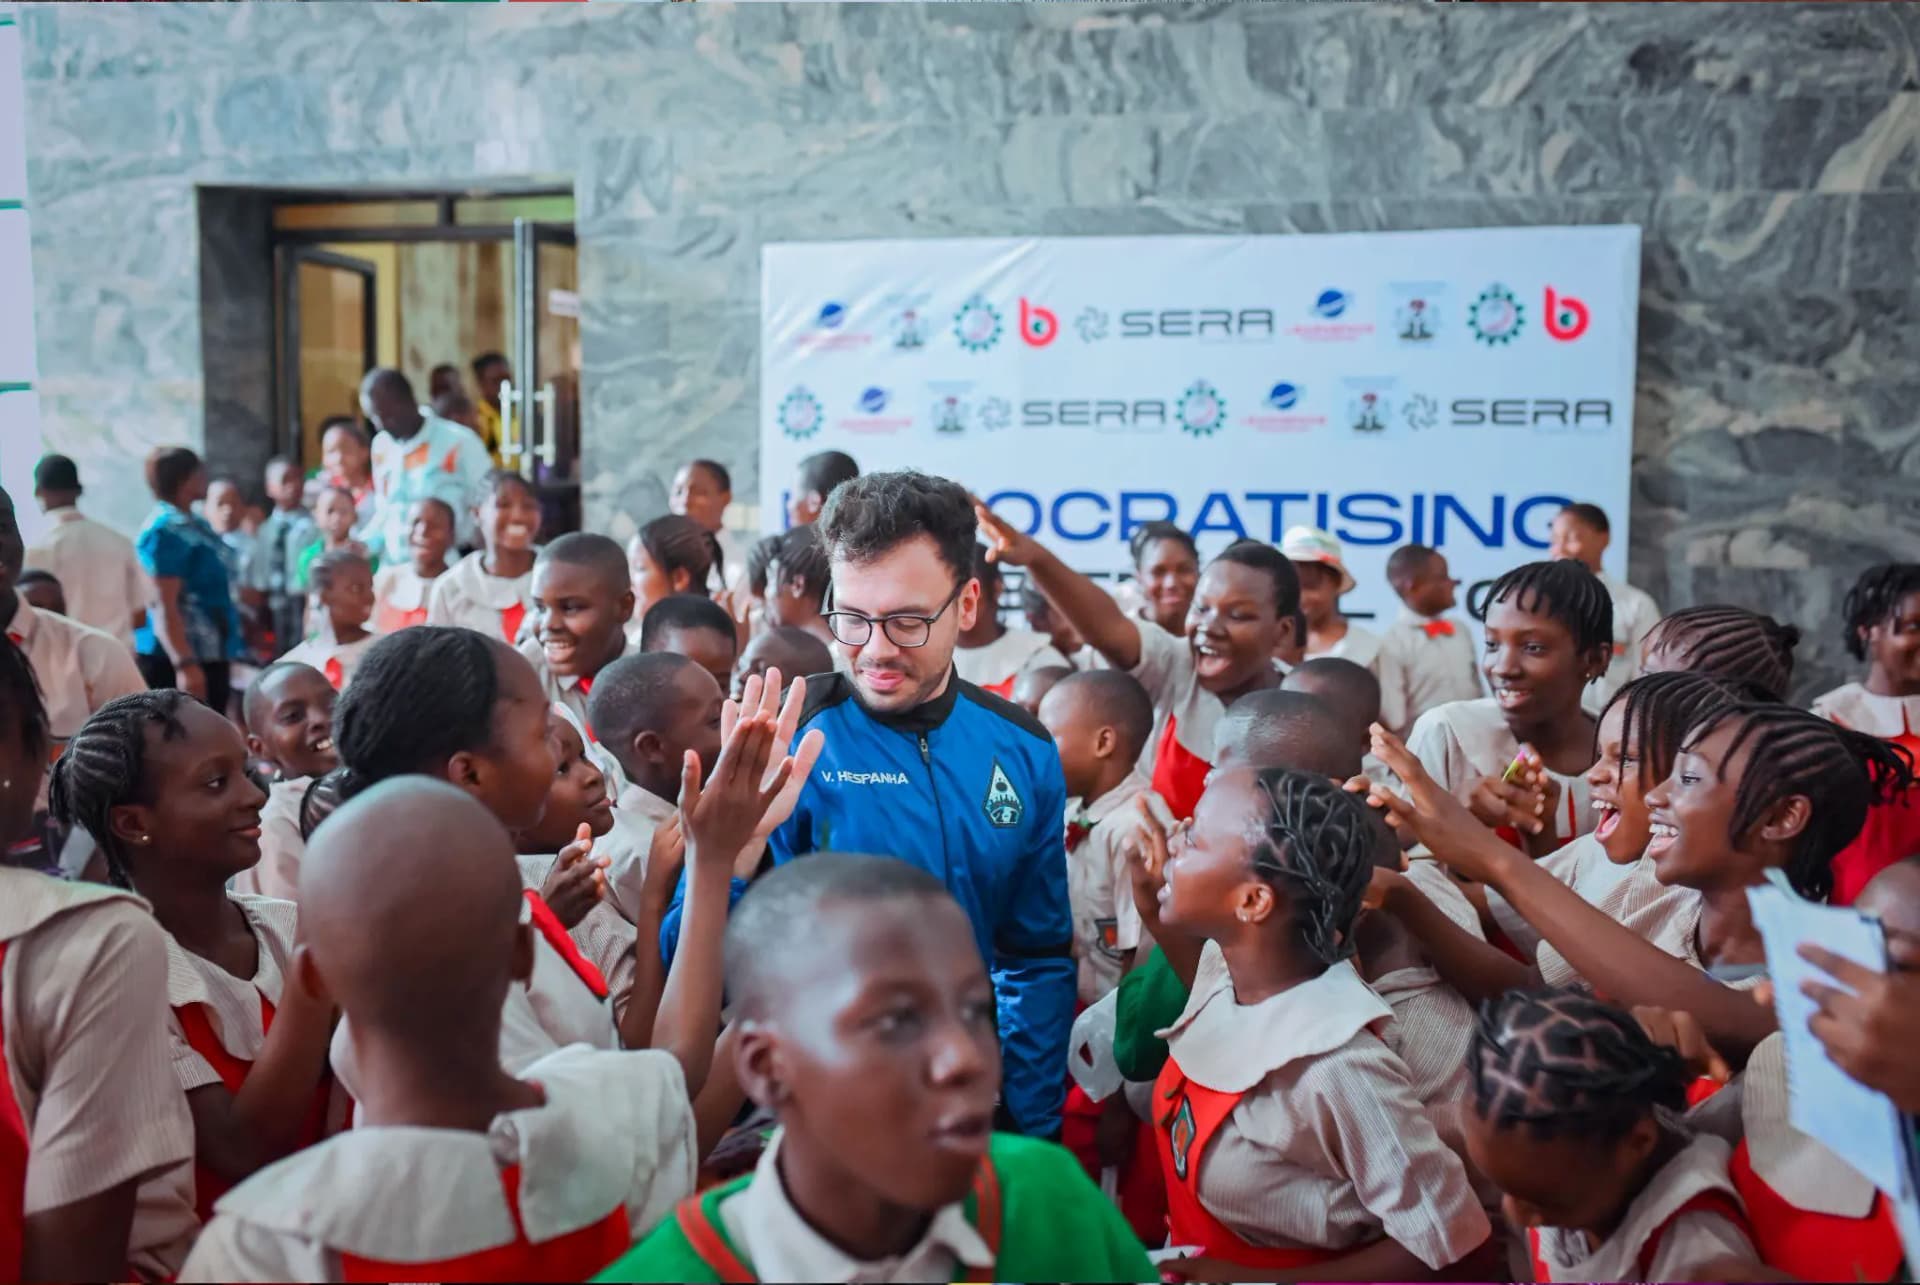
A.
pixel 1426 659
pixel 990 655
pixel 416 455
pixel 1581 532
pixel 95 564
pixel 1324 580
pixel 702 490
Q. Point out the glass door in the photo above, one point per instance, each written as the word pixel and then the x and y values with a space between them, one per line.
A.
pixel 540 402
pixel 327 340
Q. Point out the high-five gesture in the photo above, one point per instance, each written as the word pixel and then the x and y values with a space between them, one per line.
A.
pixel 721 817
pixel 761 695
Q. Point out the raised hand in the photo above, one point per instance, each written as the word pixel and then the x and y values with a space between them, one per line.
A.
pixel 1869 1022
pixel 1005 544
pixel 1680 1031
pixel 1146 849
pixel 1429 813
pixel 721 818
pixel 577 881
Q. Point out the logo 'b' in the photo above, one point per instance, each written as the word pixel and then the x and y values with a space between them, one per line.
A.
pixel 1038 326
pixel 1567 317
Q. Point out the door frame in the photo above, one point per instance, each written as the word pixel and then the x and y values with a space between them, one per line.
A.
pixel 288 260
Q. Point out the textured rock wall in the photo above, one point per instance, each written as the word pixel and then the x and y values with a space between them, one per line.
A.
pixel 1771 152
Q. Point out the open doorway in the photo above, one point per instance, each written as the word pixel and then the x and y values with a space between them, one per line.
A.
pixel 431 284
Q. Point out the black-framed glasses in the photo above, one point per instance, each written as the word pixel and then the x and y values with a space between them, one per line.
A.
pixel 903 628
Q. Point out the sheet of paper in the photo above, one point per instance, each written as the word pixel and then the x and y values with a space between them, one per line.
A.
pixel 1858 1123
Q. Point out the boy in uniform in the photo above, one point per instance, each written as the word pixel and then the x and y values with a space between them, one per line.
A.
pixel 582 600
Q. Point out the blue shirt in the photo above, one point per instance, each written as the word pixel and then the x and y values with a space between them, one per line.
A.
pixel 176 544
pixel 967 787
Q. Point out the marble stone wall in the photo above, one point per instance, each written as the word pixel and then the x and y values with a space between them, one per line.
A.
pixel 1771 152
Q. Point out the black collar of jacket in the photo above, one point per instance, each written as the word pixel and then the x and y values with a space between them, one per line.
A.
pixel 918 719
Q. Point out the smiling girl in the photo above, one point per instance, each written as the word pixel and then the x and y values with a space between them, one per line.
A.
pixel 491 591
pixel 1166 571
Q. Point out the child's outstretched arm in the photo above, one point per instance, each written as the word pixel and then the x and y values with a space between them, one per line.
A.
pixel 236 1134
pixel 1472 967
pixel 1091 609
pixel 666 856
pixel 1613 959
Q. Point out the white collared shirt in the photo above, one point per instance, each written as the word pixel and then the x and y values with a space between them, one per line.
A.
pixel 1688 1242
pixel 470 598
pixel 1358 645
pixel 337 661
pixel 1420 668
pixel 783 1246
pixel 399 594
pixel 997 665
pixel 79 669
pixel 1634 616
pixel 1888 717
pixel 98 571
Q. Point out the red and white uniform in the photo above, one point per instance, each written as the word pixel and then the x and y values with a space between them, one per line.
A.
pixel 554 1192
pixel 400 596
pixel 1106 924
pixel 1180 754
pixel 336 660
pixel 1687 1214
pixel 79 669
pixel 281 847
pixel 1892 831
pixel 1361 646
pixel 1290 1134
pixel 87 1102
pixel 569 692
pixel 1462 742
pixel 997 666
pixel 602 937
pixel 470 598
pixel 1423 662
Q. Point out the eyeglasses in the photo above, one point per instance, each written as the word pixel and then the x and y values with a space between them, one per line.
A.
pixel 903 628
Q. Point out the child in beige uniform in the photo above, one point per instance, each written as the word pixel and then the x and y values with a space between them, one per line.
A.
pixel 343 588
pixel 289 713
pixel 160 782
pixel 990 655
pixel 401 589
pixel 457 1170
pixel 1572 1118
pixel 582 601
pixel 491 591
pixel 1292 1143
pixel 88 1111
pixel 1426 657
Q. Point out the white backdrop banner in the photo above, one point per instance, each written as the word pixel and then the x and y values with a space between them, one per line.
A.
pixel 1451 388
pixel 19 403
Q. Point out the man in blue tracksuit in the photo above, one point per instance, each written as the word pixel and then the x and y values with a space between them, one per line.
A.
pixel 924 767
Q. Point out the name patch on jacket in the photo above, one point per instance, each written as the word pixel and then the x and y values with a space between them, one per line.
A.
pixel 1003 805
pixel 831 776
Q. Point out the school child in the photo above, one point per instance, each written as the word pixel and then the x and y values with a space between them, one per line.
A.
pixel 1883 629
pixel 1290 1137
pixel 793 652
pixel 1059 631
pixel 1426 658
pixel 106 585
pixel 42 591
pixel 1571 1114
pixel 989 655
pixel 1581 533
pixel 703 491
pixel 335 516
pixel 289 713
pixel 342 583
pixel 814 480
pixel 670 555
pixel 697 628
pixel 1035 684
pixel 270 576
pixel 457 1169
pixel 491 590
pixel 581 602
pixel 1753 787
pixel 1747 651
pixel 1166 576
pixel 88 1111
pixel 401 589
pixel 1547 626
pixel 1351 693
pixel 1243 607
pixel 160 781
pixel 866 1020
pixel 1324 580
pixel 1290 650
pixel 797 582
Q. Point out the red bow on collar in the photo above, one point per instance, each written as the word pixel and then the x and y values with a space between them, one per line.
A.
pixel 1438 628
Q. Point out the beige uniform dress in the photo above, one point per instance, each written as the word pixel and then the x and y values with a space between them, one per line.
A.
pixel 999 664
pixel 1634 616
pixel 82 993
pixel 603 937
pixel 637 813
pixel 1361 646
pixel 616 1134
pixel 79 669
pixel 1464 741
pixel 1686 1241
pixel 1106 923
pixel 281 847
pixel 1327 1147
pixel 1424 663
pixel 98 571
pixel 1432 1024
pixel 470 598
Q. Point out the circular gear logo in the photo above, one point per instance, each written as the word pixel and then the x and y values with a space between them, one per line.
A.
pixel 977 325
pixel 1496 317
pixel 1202 410
pixel 800 415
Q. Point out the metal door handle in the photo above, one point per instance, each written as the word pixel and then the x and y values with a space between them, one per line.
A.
pixel 508 395
pixel 548 450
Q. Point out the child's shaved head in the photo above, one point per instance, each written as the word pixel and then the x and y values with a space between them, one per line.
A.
pixel 1279 728
pixel 1349 690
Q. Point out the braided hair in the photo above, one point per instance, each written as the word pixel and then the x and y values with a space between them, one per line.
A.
pixel 1561 590
pixel 1789 752
pixel 1316 845
pixel 760 560
pixel 1658 712
pixel 801 556
pixel 676 543
pixel 1739 647
pixel 104 767
pixel 20 693
pixel 419 696
pixel 1565 1064
pixel 1875 596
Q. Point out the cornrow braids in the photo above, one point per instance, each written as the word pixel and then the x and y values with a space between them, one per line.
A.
pixel 1875 596
pixel 1739 647
pixel 1317 846
pixel 420 696
pixel 20 693
pixel 676 543
pixel 1562 590
pixel 802 558
pixel 1563 1063
pixel 105 764
pixel 1659 710
pixel 760 560
pixel 1789 751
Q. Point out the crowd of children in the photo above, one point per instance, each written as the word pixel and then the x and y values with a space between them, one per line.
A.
pixel 1422 951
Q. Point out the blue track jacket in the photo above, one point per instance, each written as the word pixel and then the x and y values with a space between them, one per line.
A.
pixel 968 787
